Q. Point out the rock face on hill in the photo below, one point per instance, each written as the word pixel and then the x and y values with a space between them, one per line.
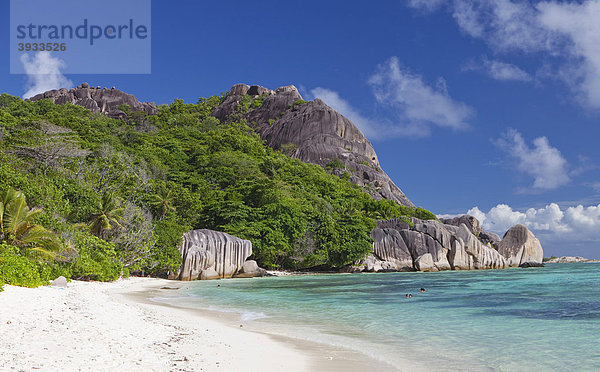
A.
pixel 521 247
pixel 208 254
pixel 457 244
pixel 312 132
pixel 97 100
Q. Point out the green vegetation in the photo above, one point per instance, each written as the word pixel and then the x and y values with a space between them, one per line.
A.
pixel 298 103
pixel 546 259
pixel 335 164
pixel 117 194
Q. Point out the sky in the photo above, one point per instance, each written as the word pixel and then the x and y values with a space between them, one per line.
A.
pixel 473 106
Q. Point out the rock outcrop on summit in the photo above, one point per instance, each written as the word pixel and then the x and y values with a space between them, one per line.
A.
pixel 314 133
pixel 455 244
pixel 97 100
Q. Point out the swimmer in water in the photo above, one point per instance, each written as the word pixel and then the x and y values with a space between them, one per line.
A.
pixel 422 289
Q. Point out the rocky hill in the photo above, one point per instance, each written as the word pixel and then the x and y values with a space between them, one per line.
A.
pixel 310 131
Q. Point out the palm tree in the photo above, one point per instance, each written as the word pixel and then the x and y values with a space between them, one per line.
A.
pixel 162 202
pixel 107 215
pixel 18 229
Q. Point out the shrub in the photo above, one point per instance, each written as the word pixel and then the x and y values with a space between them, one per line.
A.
pixel 96 259
pixel 18 270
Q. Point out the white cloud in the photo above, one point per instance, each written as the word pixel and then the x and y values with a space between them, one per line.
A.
pixel 426 5
pixel 542 161
pixel 418 104
pixel 565 34
pixel 504 24
pixel 44 73
pixel 333 99
pixel 554 225
pixel 505 71
pixel 580 23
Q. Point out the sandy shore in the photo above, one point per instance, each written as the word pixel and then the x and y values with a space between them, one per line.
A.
pixel 114 326
pixel 100 327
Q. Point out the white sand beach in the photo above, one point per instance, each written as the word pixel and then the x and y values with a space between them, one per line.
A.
pixel 101 327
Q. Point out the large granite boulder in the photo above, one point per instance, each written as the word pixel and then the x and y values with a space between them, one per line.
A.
pixel 429 246
pixel 250 269
pixel 390 249
pixel 97 100
pixel 521 248
pixel 208 254
pixel 471 222
pixel 425 263
pixel 478 255
pixel 316 134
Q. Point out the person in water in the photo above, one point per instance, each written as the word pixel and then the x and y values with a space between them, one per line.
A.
pixel 422 289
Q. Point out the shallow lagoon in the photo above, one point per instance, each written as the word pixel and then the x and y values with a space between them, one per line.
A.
pixel 510 320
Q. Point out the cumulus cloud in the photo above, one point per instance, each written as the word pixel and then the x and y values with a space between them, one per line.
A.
pixel 44 73
pixel 552 224
pixel 368 126
pixel 542 161
pixel 418 104
pixel 566 33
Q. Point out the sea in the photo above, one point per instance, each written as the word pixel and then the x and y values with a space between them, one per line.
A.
pixel 534 319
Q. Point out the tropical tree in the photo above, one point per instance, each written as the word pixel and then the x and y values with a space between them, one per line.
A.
pixel 18 227
pixel 108 214
pixel 162 202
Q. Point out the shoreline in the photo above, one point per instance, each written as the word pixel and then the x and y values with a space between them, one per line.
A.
pixel 322 357
pixel 100 326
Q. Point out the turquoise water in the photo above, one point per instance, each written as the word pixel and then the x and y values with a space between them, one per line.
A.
pixel 507 320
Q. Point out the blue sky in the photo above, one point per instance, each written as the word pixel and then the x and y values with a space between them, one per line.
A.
pixel 493 105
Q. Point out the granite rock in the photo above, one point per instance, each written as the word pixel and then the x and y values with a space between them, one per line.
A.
pixel 97 100
pixel 425 263
pixel 60 282
pixel 521 248
pixel 250 269
pixel 208 254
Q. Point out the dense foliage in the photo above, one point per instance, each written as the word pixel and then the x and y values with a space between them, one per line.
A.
pixel 119 194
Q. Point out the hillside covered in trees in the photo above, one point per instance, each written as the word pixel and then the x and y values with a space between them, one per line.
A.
pixel 93 197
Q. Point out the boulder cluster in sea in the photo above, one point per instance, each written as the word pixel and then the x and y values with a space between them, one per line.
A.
pixel 455 244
